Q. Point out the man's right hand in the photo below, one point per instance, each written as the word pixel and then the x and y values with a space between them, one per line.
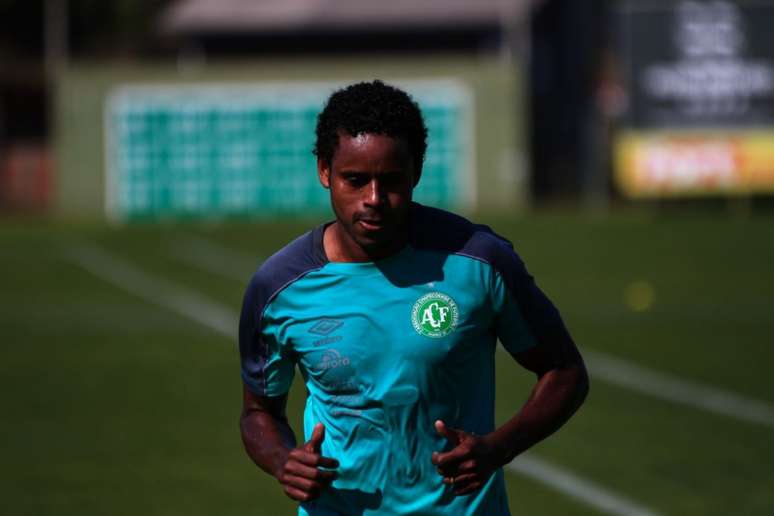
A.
pixel 301 477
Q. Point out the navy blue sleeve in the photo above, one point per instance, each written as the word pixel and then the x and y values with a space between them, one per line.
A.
pixel 543 321
pixel 265 363
pixel 542 317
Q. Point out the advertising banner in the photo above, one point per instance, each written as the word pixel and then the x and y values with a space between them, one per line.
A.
pixel 699 77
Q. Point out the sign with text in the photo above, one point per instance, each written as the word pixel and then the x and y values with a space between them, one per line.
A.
pixel 655 164
pixel 220 150
pixel 700 82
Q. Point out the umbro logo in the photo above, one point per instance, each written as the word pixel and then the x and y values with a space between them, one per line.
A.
pixel 325 326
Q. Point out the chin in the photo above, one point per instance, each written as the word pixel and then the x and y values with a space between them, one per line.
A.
pixel 373 245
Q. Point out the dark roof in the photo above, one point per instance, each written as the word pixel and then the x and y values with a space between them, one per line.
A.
pixel 273 16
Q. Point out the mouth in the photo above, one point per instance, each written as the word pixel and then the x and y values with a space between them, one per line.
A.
pixel 372 224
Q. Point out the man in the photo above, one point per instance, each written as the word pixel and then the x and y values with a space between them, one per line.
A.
pixel 391 313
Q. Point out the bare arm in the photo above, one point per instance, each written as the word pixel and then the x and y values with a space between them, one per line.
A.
pixel 562 385
pixel 271 443
pixel 560 390
pixel 266 434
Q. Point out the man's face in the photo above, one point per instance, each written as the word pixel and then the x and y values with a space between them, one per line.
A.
pixel 370 178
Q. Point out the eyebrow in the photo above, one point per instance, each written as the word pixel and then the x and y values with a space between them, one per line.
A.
pixel 369 173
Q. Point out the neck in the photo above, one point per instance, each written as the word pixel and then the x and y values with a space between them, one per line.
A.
pixel 340 247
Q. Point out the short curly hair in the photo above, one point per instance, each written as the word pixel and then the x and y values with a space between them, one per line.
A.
pixel 371 107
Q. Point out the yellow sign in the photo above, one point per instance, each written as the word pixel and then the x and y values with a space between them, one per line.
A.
pixel 680 163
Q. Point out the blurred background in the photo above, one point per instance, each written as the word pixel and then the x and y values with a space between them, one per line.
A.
pixel 153 153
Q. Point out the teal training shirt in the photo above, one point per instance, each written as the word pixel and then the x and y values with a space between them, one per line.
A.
pixel 387 348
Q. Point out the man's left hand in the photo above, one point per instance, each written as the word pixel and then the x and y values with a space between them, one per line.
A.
pixel 469 464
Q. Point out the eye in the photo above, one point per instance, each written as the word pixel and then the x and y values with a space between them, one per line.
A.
pixel 393 179
pixel 356 180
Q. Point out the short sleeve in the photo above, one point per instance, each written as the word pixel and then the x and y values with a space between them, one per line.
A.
pixel 510 325
pixel 525 317
pixel 267 365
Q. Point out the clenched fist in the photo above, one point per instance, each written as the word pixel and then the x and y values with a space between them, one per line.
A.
pixel 301 477
pixel 469 464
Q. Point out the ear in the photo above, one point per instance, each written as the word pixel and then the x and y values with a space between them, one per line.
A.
pixel 417 174
pixel 324 173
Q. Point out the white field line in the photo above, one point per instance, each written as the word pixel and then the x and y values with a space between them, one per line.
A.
pixel 626 374
pixel 573 486
pixel 223 320
pixel 668 387
pixel 155 290
pixel 214 258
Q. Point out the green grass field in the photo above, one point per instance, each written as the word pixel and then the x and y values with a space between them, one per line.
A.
pixel 113 404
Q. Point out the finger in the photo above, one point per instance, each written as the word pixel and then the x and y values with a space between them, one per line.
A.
pixel 297 494
pixel 455 454
pixel 327 462
pixel 452 435
pixel 468 466
pixel 318 434
pixel 461 481
pixel 451 460
pixel 303 484
pixel 302 470
pixel 319 475
pixel 316 461
pixel 467 488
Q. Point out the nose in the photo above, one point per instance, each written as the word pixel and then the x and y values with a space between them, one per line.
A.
pixel 375 193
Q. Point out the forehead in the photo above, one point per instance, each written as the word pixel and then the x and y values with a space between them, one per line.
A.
pixel 371 149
